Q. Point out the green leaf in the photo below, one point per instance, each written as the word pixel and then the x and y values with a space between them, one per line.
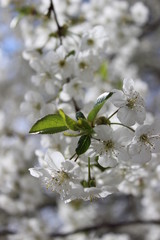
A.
pixel 70 53
pixel 79 115
pixel 97 107
pixel 70 123
pixel 83 144
pixel 49 124
pixel 72 134
pixel 84 124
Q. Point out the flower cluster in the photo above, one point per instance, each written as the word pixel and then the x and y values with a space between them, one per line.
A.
pixel 70 76
pixel 122 147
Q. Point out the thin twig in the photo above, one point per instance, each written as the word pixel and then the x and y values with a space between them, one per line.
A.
pixel 108 226
pixel 120 124
pixel 59 28
pixel 4 232
pixel 77 108
pixel 150 28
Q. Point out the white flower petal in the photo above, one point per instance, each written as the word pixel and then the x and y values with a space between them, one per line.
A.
pixel 103 132
pixel 118 98
pixel 155 141
pixel 35 172
pixel 140 114
pixel 128 85
pixel 122 135
pixel 54 159
pixel 126 116
pixel 139 154
pixel 105 161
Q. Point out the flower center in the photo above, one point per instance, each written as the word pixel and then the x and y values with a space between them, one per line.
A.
pixel 56 181
pixel 61 177
pixel 109 145
pixel 82 65
pixel 131 103
pixel 144 138
pixel 62 63
pixel 90 42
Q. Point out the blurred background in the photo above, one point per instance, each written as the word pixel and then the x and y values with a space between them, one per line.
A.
pixel 24 205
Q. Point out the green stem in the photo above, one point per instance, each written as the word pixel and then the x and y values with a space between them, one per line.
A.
pixel 89 171
pixel 124 126
pixel 96 139
pixel 112 114
pixel 76 158
pixel 72 156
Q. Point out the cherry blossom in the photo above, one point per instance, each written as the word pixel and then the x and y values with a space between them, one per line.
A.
pixel 145 142
pixel 130 104
pixel 58 174
pixel 111 145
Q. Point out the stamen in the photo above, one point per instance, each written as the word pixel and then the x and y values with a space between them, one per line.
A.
pixel 109 145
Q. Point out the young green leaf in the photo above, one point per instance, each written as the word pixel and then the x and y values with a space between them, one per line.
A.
pixel 49 124
pixel 80 115
pixel 72 52
pixel 97 107
pixel 72 134
pixel 84 124
pixel 83 144
pixel 70 123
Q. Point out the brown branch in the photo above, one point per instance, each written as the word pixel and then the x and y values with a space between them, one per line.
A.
pixel 59 28
pixel 150 28
pixel 108 226
pixel 77 108
pixel 4 232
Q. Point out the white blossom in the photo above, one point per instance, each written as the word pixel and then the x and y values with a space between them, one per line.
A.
pixel 130 104
pixel 145 142
pixel 57 173
pixel 111 145
pixel 58 63
pixel 139 13
pixel 96 39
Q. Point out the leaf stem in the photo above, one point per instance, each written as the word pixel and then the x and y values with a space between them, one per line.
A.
pixel 121 124
pixel 76 158
pixel 72 156
pixel 96 139
pixel 89 171
pixel 112 114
